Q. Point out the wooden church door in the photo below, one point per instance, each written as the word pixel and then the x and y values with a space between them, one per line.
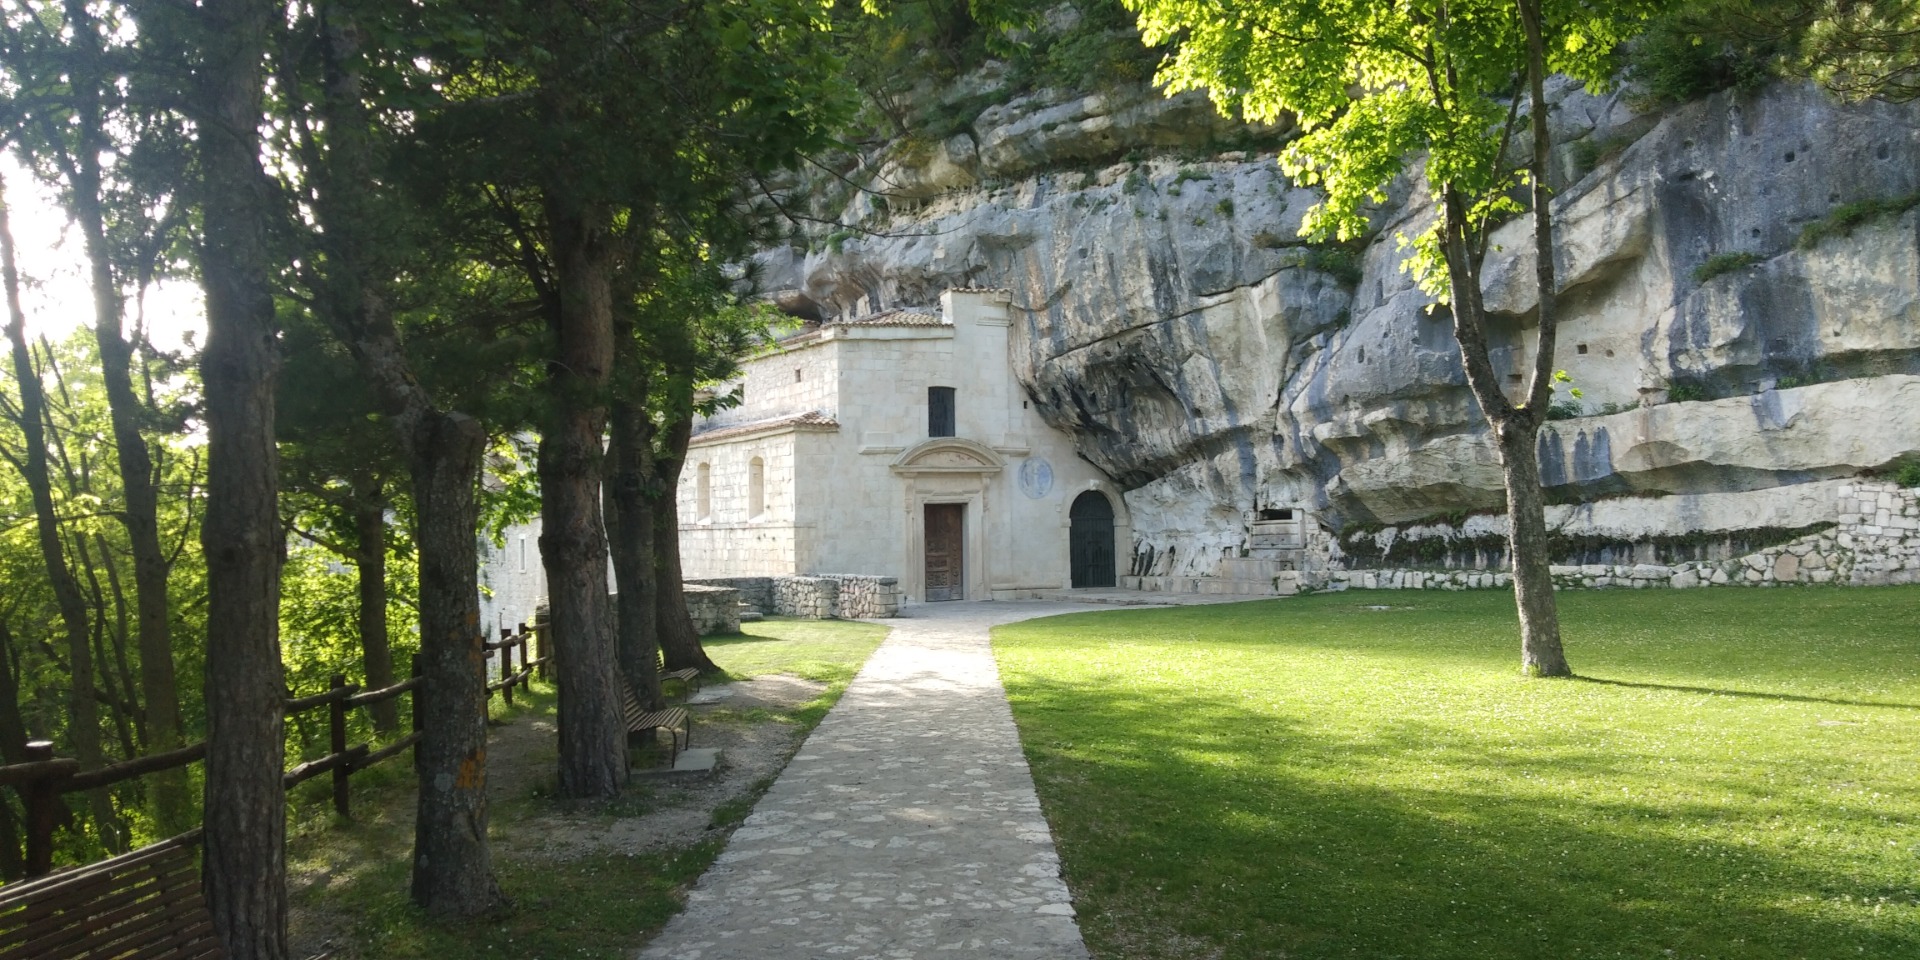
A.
pixel 945 551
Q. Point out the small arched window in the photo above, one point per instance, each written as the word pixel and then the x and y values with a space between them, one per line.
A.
pixel 756 488
pixel 703 491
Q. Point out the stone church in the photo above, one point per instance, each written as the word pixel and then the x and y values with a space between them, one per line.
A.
pixel 898 444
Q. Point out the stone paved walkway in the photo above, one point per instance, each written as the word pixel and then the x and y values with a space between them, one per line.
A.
pixel 906 827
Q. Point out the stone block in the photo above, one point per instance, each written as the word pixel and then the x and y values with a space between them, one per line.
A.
pixel 1786 568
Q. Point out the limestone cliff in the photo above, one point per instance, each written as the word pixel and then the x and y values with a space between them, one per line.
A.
pixel 1214 365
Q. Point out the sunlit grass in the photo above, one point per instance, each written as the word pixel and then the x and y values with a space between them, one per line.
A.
pixel 1321 777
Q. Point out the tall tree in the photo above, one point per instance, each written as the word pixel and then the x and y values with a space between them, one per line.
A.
pixel 83 705
pixel 242 539
pixel 1374 87
pixel 83 117
pixel 603 118
pixel 360 250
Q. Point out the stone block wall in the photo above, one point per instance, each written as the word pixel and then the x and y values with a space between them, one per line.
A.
pixel 713 609
pixel 756 592
pixel 827 596
pixel 866 598
pixel 1876 541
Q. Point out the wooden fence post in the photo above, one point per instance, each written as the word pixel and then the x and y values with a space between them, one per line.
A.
pixel 42 797
pixel 506 666
pixel 542 643
pixel 524 657
pixel 337 743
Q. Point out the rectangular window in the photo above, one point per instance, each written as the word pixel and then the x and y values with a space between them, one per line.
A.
pixel 939 411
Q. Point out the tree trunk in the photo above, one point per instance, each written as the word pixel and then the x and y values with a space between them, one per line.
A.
pixel 1529 544
pixel 678 639
pixel 370 566
pixel 452 864
pixel 172 804
pixel 1540 651
pixel 629 492
pixel 573 542
pixel 13 749
pixel 83 709
pixel 245 805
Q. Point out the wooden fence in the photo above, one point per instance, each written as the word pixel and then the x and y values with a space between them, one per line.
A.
pixel 43 777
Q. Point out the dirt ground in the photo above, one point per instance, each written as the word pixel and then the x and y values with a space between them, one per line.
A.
pixel 749 721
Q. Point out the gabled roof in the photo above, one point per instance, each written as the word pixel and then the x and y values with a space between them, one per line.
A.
pixel 811 420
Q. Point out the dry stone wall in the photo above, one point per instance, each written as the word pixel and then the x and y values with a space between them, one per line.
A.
pixel 1876 541
pixel 824 597
pixel 714 609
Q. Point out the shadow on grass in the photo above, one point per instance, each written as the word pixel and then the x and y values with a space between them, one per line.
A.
pixel 1191 826
pixel 1751 694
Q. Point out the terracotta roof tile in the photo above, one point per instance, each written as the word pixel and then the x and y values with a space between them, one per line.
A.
pixel 812 418
pixel 893 318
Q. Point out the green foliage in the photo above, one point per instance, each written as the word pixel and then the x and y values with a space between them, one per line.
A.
pixel 1590 152
pixel 1724 263
pixel 1908 475
pixel 1355 76
pixel 1213 772
pixel 1341 262
pixel 1685 392
pixel 1564 410
pixel 1700 47
pixel 1224 207
pixel 1849 217
pixel 1186 174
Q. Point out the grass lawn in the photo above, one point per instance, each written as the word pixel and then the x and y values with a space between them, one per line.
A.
pixel 592 906
pixel 1366 775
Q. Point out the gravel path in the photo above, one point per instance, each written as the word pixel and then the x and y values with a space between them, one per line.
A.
pixel 906 827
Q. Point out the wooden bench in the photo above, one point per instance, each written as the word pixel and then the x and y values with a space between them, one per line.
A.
pixel 689 678
pixel 674 720
pixel 144 905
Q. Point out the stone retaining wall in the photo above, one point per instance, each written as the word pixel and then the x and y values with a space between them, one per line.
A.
pixel 1876 541
pixel 827 596
pixel 714 609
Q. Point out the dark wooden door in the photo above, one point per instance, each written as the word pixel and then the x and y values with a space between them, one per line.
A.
pixel 1090 540
pixel 945 553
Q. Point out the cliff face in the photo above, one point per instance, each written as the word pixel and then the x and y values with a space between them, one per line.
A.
pixel 1214 365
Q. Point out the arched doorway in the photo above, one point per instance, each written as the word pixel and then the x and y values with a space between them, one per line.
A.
pixel 1090 540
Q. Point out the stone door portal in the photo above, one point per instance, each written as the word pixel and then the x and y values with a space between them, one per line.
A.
pixel 945 549
pixel 1090 540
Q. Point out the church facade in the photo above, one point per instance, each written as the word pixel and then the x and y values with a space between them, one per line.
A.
pixel 898 444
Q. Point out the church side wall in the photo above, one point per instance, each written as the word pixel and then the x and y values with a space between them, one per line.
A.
pixel 782 383
pixel 727 541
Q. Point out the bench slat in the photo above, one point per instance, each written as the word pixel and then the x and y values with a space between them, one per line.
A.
pixel 145 905
pixel 73 898
pixel 108 920
pixel 110 907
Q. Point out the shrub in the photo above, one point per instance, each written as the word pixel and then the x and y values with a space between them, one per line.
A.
pixel 1721 263
pixel 1341 263
pixel 1189 173
pixel 1225 207
pixel 1848 217
pixel 1564 410
pixel 1695 50
pixel 1908 475
pixel 1685 392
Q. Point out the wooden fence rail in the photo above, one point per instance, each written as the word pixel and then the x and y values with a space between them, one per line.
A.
pixel 42 778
